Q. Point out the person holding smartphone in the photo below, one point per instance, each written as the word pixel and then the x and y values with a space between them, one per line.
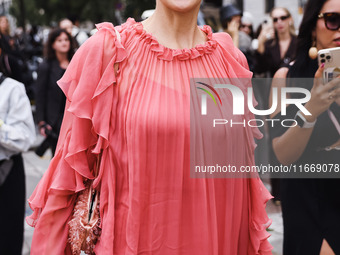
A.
pixel 276 42
pixel 311 207
pixel 276 48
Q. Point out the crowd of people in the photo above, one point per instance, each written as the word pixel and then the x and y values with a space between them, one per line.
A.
pixel 309 206
pixel 275 50
pixel 19 89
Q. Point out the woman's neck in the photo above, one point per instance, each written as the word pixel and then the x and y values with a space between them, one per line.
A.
pixel 175 30
pixel 62 59
pixel 284 36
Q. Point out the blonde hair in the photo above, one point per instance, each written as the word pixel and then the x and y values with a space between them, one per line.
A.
pixel 291 26
pixel 7 30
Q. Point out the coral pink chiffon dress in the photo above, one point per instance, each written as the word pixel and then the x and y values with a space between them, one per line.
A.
pixel 140 118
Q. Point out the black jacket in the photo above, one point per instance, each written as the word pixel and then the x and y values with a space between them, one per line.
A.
pixel 271 60
pixel 50 100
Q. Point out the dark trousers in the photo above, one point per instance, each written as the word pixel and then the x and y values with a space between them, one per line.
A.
pixel 12 212
pixel 311 213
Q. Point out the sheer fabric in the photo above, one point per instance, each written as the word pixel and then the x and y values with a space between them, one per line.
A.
pixel 140 118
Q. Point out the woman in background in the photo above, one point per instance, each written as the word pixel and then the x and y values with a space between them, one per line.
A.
pixel 50 100
pixel 277 44
pixel 230 18
pixel 276 49
pixel 17 134
pixel 12 60
pixel 311 207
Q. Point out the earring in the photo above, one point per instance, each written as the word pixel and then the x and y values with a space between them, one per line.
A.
pixel 313 51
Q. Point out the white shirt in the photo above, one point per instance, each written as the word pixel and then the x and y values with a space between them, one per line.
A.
pixel 17 133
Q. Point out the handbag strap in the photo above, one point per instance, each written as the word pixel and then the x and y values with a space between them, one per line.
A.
pixel 118 35
pixel 99 159
pixel 334 120
pixel 116 65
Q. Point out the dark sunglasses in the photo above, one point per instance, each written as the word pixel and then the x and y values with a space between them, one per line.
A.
pixel 276 19
pixel 332 20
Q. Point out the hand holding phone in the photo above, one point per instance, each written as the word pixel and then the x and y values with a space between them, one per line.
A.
pixel 331 59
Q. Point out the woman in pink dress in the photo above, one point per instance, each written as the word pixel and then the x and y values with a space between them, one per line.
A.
pixel 139 117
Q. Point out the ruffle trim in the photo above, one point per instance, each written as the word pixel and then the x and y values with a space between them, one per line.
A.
pixel 259 221
pixel 259 196
pixel 168 54
pixel 87 83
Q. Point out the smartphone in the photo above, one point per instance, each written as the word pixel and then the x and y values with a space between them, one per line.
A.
pixel 331 58
pixel 267 22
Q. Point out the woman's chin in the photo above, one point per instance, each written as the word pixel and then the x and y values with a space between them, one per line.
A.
pixel 181 5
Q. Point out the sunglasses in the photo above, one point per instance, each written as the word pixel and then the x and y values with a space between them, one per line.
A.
pixel 276 19
pixel 332 20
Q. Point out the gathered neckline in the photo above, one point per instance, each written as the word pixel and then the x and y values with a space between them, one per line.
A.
pixel 169 54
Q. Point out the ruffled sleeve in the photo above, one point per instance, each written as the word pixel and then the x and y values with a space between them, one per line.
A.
pixel 259 195
pixel 88 85
pixel 249 116
pixel 242 76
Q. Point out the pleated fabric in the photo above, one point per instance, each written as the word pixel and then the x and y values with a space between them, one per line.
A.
pixel 140 118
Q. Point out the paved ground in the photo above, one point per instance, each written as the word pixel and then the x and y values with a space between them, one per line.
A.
pixel 36 166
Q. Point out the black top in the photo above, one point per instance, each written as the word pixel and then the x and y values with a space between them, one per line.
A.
pixel 50 100
pixel 271 60
pixel 11 60
pixel 311 207
pixel 324 133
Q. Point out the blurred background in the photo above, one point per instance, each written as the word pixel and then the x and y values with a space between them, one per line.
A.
pixel 30 22
pixel 26 13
